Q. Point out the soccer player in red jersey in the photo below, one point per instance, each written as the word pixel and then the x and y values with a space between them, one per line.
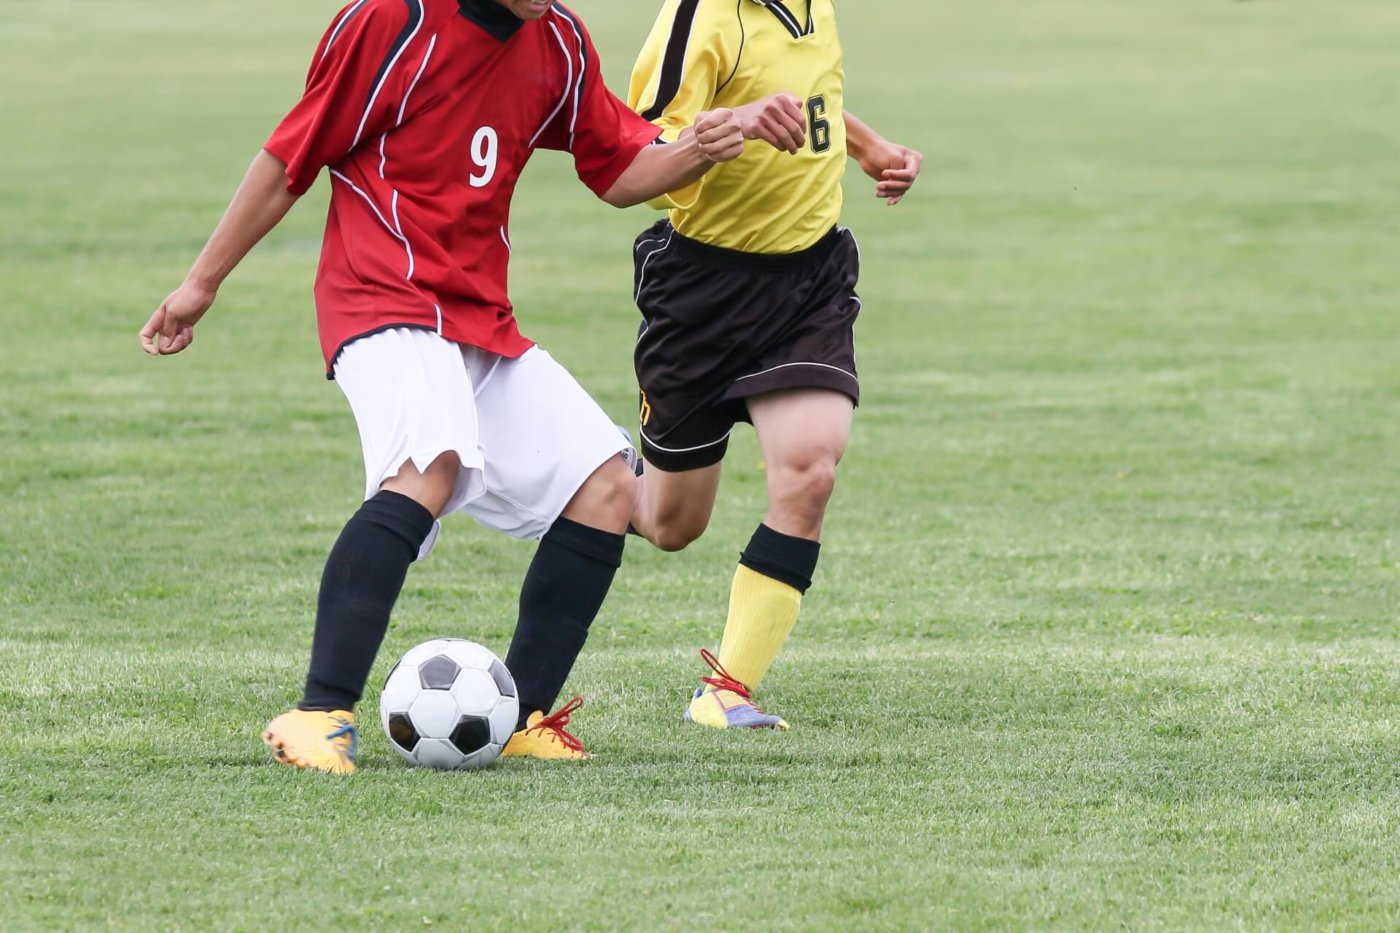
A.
pixel 425 112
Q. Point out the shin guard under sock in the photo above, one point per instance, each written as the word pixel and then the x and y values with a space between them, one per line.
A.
pixel 773 573
pixel 359 586
pixel 564 588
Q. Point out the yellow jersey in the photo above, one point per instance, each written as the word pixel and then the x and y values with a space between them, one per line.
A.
pixel 705 54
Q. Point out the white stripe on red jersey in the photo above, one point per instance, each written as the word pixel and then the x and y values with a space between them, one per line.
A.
pixel 427 111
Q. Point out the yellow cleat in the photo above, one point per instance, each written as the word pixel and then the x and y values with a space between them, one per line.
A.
pixel 724 703
pixel 314 739
pixel 546 738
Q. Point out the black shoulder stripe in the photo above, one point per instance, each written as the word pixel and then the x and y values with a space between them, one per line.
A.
pixel 582 66
pixel 350 14
pixel 415 19
pixel 673 65
pixel 570 16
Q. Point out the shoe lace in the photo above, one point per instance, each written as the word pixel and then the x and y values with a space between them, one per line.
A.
pixel 556 721
pixel 721 680
pixel 350 730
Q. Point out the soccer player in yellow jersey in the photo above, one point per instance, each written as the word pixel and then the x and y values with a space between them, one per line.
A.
pixel 747 294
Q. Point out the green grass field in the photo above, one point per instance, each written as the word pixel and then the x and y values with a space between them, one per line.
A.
pixel 1105 631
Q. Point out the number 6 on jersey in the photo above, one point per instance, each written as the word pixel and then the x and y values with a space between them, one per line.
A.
pixel 820 126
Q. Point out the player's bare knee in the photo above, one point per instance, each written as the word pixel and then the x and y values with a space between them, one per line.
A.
pixel 675 536
pixel 805 485
pixel 616 488
pixel 606 498
pixel 675 523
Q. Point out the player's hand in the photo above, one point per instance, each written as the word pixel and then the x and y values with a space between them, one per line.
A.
pixel 719 136
pixel 894 168
pixel 776 119
pixel 171 327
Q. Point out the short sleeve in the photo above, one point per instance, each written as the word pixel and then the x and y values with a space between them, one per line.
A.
pixel 680 67
pixel 600 130
pixel 349 93
pixel 688 56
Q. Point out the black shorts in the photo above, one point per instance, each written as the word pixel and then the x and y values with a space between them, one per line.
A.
pixel 719 326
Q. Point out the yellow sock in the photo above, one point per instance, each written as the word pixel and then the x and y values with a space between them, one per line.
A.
pixel 762 612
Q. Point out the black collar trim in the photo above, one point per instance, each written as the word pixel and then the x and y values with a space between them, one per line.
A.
pixel 786 17
pixel 492 17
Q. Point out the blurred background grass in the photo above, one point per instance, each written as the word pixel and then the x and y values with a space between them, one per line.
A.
pixel 1104 632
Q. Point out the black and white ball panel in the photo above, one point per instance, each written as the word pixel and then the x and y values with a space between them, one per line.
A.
pixel 449 704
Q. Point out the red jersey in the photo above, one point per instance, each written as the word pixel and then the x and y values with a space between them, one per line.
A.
pixel 426 112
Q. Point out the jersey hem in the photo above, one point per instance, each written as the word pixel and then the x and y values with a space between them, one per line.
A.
pixel 726 258
pixel 340 348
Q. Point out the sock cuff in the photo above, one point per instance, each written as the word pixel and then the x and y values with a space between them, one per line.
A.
pixel 785 558
pixel 603 546
pixel 399 514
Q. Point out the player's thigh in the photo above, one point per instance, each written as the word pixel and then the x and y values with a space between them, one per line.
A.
pixel 412 398
pixel 542 437
pixel 431 488
pixel 802 427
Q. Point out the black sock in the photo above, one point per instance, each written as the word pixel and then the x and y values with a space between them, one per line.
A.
pixel 785 558
pixel 362 579
pixel 563 591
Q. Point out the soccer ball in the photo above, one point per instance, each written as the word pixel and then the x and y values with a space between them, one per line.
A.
pixel 449 704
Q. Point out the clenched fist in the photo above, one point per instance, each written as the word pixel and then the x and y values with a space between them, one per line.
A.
pixel 894 168
pixel 776 119
pixel 719 135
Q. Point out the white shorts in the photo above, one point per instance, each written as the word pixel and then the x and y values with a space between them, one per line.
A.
pixel 526 432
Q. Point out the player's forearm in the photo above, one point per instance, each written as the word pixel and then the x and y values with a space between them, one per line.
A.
pixel 261 201
pixel 860 138
pixel 659 169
